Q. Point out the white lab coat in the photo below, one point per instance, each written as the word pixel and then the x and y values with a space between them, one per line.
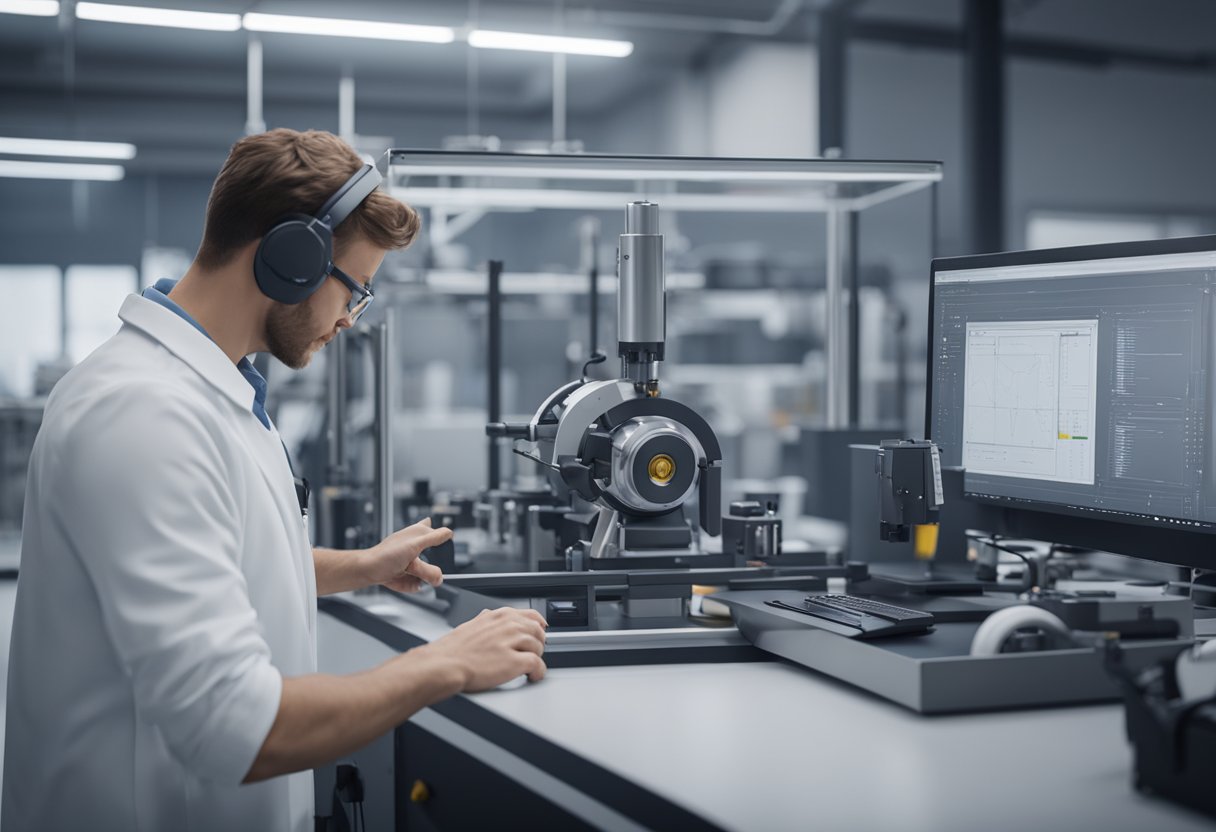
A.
pixel 167 586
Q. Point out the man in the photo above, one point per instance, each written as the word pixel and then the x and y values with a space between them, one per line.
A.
pixel 163 662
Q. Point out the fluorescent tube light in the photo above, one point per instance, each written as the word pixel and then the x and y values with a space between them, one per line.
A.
pixel 336 27
pixel 60 147
pixel 489 39
pixel 37 8
pixel 148 16
pixel 59 170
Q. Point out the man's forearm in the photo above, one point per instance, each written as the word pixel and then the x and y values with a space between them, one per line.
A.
pixel 323 717
pixel 340 570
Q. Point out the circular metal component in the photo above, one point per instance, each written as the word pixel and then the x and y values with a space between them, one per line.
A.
pixel 661 469
pixel 636 444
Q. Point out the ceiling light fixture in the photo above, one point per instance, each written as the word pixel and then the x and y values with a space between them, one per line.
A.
pixel 148 16
pixel 337 27
pixel 37 8
pixel 59 170
pixel 61 147
pixel 490 39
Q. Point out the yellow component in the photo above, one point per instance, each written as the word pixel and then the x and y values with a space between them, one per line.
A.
pixel 924 541
pixel 702 589
pixel 1065 436
pixel 661 469
pixel 419 792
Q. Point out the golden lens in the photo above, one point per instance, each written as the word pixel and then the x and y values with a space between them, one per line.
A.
pixel 662 468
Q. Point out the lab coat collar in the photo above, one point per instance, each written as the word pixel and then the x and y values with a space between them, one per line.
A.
pixel 193 347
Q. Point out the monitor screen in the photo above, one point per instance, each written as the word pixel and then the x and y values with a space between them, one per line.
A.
pixel 1080 381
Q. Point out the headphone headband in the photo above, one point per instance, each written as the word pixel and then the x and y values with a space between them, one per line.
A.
pixel 347 198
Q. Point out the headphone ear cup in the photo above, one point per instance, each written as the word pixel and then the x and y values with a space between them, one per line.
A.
pixel 292 259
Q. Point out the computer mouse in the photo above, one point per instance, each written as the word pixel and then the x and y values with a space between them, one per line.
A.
pixel 512 684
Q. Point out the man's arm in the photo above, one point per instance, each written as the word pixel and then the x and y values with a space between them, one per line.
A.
pixel 323 717
pixel 393 562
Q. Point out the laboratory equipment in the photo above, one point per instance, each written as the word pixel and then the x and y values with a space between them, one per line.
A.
pixel 619 445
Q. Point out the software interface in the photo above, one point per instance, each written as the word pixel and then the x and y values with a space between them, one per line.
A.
pixel 1083 386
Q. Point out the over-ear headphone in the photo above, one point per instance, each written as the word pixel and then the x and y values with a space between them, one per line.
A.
pixel 296 254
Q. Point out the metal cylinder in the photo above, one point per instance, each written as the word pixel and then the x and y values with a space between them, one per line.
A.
pixel 641 302
pixel 384 426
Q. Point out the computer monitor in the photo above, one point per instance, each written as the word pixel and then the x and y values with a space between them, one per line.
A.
pixel 1075 388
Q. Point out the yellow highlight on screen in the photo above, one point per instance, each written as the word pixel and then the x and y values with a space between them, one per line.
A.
pixel 1065 436
pixel 924 541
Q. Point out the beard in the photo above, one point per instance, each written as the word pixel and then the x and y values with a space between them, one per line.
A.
pixel 290 333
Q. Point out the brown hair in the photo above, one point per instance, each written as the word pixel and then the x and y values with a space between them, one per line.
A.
pixel 271 175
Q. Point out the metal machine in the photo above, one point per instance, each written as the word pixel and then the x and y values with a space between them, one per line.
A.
pixel 619 445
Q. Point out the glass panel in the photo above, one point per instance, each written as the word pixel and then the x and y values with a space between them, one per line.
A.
pixel 30 334
pixel 94 294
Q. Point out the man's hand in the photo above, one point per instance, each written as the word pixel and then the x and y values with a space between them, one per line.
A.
pixel 394 561
pixel 494 647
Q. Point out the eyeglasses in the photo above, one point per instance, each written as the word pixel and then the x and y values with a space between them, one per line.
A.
pixel 361 296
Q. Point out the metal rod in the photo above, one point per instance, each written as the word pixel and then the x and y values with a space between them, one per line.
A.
pixel 559 98
pixel 384 425
pixel 837 320
pixel 831 46
pixel 984 123
pixel 591 246
pixel 346 107
pixel 934 220
pixel 336 394
pixel 853 358
pixel 255 121
pixel 472 124
pixel 494 370
pixel 594 313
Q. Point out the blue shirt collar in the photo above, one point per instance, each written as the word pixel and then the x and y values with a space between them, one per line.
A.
pixel 159 293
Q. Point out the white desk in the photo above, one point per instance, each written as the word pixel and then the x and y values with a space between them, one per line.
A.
pixel 772 746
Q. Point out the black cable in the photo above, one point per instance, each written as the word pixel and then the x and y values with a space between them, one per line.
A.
pixel 596 358
pixel 1031 578
pixel 536 459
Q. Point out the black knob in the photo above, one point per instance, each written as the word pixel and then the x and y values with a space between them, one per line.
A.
pixel 512 431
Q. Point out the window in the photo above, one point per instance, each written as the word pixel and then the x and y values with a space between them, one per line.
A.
pixel 1057 229
pixel 31 331
pixel 94 295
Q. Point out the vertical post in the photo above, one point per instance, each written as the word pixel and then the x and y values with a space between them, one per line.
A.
pixel 63 315
pixel 831 45
pixel 984 123
pixel 384 425
pixel 494 369
pixel 559 99
pixel 472 122
pixel 336 394
pixel 839 222
pixel 346 107
pixel 591 244
pixel 935 245
pixel 853 358
pixel 254 120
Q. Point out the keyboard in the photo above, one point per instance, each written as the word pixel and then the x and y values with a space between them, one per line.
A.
pixel 869 619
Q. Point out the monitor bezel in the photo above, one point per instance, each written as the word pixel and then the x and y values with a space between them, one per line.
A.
pixel 1130 535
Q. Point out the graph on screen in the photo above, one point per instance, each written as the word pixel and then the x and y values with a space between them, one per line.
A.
pixel 1029 407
